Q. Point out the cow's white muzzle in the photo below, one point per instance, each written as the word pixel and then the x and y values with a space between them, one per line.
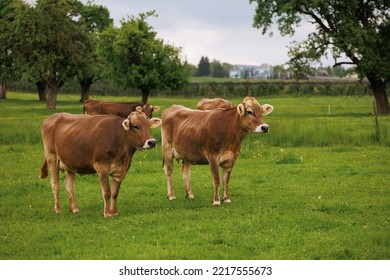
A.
pixel 150 143
pixel 262 128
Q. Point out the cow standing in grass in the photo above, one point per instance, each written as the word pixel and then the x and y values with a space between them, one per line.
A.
pixel 102 144
pixel 121 109
pixel 211 137
pixel 213 103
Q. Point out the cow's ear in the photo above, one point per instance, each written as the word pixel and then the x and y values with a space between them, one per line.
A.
pixel 126 124
pixel 267 109
pixel 156 108
pixel 155 122
pixel 241 109
pixel 139 109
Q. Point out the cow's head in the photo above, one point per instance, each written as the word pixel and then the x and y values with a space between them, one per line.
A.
pixel 252 113
pixel 138 127
pixel 149 109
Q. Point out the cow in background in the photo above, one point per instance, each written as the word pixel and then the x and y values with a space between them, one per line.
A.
pixel 102 144
pixel 213 103
pixel 211 137
pixel 122 109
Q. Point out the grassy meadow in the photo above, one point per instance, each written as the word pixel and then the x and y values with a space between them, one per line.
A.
pixel 315 187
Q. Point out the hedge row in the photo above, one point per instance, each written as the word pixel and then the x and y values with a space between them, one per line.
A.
pixel 226 89
pixel 274 89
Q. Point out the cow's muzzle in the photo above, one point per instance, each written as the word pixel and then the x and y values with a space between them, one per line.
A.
pixel 262 128
pixel 150 143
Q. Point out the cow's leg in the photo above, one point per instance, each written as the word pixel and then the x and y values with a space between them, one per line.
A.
pixel 216 181
pixel 106 192
pixel 69 185
pixel 54 180
pixel 114 194
pixel 186 173
pixel 168 169
pixel 225 181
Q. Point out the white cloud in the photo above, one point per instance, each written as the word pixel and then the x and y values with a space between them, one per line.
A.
pixel 218 29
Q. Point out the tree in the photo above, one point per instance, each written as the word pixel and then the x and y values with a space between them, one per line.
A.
pixel 217 70
pixel 50 44
pixel 357 29
pixel 8 69
pixel 93 19
pixel 135 58
pixel 204 67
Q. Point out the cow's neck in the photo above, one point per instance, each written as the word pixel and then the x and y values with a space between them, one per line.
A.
pixel 235 126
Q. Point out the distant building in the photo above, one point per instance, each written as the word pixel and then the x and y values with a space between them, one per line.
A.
pixel 264 71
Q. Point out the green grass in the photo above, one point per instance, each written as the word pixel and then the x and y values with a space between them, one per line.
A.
pixel 315 187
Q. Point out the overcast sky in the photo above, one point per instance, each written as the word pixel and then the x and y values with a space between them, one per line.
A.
pixel 218 29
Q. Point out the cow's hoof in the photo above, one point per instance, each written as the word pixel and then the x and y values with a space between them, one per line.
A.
pixel 227 200
pixel 171 197
pixel 57 210
pixel 74 210
pixel 217 203
pixel 110 215
pixel 190 196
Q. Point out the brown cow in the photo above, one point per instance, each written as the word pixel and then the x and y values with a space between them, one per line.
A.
pixel 122 109
pixel 102 144
pixel 214 103
pixel 211 137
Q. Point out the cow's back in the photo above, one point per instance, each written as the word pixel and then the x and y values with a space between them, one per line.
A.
pixel 214 103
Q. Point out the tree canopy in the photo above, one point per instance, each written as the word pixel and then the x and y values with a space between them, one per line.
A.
pixel 357 29
pixel 204 67
pixel 8 69
pixel 50 44
pixel 135 58
pixel 93 19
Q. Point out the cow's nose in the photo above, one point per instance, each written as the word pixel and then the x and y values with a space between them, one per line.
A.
pixel 152 143
pixel 264 128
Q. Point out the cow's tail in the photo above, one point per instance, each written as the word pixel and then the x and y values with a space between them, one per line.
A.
pixel 43 172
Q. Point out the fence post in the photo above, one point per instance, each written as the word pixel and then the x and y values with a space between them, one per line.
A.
pixel 377 132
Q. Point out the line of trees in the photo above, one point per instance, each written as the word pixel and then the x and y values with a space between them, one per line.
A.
pixel 216 69
pixel 52 42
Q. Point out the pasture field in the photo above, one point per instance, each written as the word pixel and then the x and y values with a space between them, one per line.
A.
pixel 316 187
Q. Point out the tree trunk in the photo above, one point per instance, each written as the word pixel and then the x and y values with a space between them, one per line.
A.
pixel 85 87
pixel 382 102
pixel 145 95
pixel 378 87
pixel 41 87
pixel 52 98
pixel 54 88
pixel 3 90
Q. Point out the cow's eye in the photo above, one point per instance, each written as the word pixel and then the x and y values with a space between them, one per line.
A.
pixel 251 113
pixel 136 127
